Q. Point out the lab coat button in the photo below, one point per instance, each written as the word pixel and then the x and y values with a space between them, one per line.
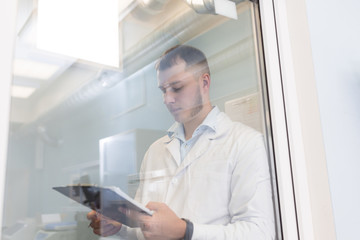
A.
pixel 174 181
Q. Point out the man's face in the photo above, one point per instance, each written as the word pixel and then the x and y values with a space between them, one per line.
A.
pixel 181 92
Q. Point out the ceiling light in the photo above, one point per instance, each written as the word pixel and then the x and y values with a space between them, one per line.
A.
pixel 21 91
pixel 32 69
pixel 27 33
pixel 226 8
pixel 123 4
pixel 84 29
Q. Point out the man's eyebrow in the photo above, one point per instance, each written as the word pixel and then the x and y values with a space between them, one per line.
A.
pixel 168 84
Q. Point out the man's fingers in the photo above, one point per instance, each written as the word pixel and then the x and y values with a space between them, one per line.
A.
pixel 154 206
pixel 95 224
pixel 106 230
pixel 92 215
pixel 145 222
pixel 144 225
pixel 102 225
pixel 132 214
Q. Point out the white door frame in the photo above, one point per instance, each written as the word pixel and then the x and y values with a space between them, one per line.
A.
pixel 305 202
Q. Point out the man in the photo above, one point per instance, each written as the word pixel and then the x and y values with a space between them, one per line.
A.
pixel 209 177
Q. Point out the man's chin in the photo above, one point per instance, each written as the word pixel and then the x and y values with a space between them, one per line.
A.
pixel 177 117
pixel 182 116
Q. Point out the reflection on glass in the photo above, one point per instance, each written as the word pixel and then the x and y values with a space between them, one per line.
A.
pixel 96 41
pixel 85 123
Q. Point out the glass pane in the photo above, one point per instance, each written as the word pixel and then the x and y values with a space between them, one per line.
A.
pixel 81 123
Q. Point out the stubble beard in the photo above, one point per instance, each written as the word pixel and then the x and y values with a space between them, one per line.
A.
pixel 194 111
pixel 198 104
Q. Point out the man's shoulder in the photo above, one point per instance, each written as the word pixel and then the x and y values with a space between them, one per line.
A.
pixel 237 129
pixel 160 141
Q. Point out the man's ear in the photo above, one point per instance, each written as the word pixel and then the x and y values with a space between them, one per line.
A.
pixel 205 79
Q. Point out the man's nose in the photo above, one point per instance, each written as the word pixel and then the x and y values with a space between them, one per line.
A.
pixel 169 97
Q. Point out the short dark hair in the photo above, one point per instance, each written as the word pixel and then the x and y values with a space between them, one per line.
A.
pixel 192 57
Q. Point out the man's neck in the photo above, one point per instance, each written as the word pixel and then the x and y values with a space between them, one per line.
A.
pixel 190 126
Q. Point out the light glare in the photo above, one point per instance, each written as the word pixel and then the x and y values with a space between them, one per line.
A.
pixel 85 29
pixel 226 8
pixel 32 69
pixel 21 91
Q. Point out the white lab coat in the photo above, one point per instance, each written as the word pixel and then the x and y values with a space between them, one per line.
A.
pixel 222 185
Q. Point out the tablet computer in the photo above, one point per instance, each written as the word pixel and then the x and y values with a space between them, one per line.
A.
pixel 106 201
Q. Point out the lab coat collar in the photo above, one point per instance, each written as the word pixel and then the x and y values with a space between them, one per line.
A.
pixel 219 124
pixel 177 129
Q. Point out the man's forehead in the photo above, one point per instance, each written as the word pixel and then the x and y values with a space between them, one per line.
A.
pixel 176 80
pixel 176 72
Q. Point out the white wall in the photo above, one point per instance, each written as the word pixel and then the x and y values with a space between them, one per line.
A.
pixel 335 41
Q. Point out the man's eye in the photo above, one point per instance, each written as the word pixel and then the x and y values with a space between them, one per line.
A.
pixel 177 89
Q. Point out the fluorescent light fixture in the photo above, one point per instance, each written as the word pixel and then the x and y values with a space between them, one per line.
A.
pixel 32 69
pixel 226 8
pixel 21 91
pixel 123 4
pixel 27 34
pixel 84 29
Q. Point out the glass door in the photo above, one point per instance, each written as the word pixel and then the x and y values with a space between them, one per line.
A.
pixel 77 120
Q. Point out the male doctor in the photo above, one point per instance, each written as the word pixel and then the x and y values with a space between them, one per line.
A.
pixel 208 178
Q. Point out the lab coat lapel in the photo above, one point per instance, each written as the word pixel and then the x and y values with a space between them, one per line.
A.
pixel 173 146
pixel 203 144
pixel 199 149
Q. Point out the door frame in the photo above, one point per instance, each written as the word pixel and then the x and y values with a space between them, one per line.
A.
pixel 304 195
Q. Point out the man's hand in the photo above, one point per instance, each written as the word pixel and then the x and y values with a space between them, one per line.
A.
pixel 163 224
pixel 102 225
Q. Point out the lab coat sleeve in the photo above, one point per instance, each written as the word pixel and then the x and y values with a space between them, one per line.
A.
pixel 250 206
